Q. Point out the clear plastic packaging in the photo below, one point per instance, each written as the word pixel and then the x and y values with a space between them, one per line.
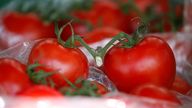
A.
pixel 114 100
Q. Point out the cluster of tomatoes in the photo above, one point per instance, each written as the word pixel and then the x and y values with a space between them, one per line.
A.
pixel 56 72
pixel 122 15
pixel 142 66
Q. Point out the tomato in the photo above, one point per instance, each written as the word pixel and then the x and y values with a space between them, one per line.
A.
pixel 155 92
pixel 100 34
pixel 145 63
pixel 40 91
pixel 67 63
pixel 20 27
pixel 13 77
pixel 78 28
pixel 101 89
pixel 104 14
pixel 180 85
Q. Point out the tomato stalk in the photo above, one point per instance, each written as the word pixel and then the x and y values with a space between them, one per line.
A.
pixel 40 77
pixel 80 87
pixel 125 40
pixel 70 43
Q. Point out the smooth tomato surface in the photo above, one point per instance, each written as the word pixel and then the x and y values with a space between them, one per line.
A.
pixel 32 25
pixel 40 91
pixel 100 34
pixel 104 13
pixel 150 61
pixel 13 77
pixel 68 63
pixel 20 27
pixel 155 92
pixel 180 85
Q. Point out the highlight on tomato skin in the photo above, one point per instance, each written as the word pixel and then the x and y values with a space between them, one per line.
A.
pixel 13 77
pixel 155 92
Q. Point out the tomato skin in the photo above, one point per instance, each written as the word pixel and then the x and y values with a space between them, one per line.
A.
pixel 78 28
pixel 104 13
pixel 180 85
pixel 100 34
pixel 155 92
pixel 40 91
pixel 13 77
pixel 32 24
pixel 101 88
pixel 147 62
pixel 69 63
pixel 23 27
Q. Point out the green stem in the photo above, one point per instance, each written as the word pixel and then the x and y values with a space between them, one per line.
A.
pixel 99 55
pixel 110 43
pixel 72 36
pixel 58 33
pixel 70 83
pixel 39 76
pixel 82 42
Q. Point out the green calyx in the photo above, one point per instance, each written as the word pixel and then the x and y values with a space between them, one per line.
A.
pixel 40 76
pixel 80 88
pixel 98 54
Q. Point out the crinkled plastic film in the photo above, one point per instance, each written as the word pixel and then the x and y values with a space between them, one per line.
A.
pixel 181 43
pixel 114 100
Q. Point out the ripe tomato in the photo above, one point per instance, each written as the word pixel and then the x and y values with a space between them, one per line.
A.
pixel 180 85
pixel 78 28
pixel 104 13
pixel 23 27
pixel 147 62
pixel 40 91
pixel 68 63
pixel 156 92
pixel 13 77
pixel 101 89
pixel 100 34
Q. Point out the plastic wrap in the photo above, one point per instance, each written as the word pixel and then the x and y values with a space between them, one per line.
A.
pixel 182 51
pixel 83 102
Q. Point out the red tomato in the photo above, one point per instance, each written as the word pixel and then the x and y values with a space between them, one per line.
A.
pixel 104 13
pixel 78 28
pixel 101 89
pixel 40 91
pixel 69 63
pixel 24 27
pixel 100 34
pixel 180 85
pixel 156 92
pixel 13 77
pixel 147 62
